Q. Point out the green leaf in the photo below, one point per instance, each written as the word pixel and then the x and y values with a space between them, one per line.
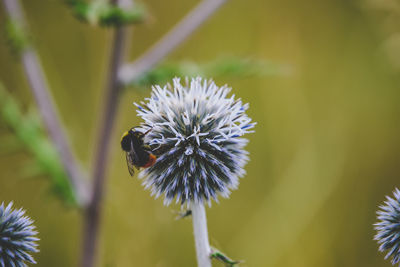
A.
pixel 30 133
pixel 231 66
pixel 106 14
pixel 16 37
pixel 218 255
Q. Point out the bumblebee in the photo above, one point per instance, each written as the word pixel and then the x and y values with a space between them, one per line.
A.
pixel 138 154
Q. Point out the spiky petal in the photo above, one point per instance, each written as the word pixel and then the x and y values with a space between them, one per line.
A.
pixel 388 227
pixel 196 132
pixel 17 237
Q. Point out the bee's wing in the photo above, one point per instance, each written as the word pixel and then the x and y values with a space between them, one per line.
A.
pixel 130 164
pixel 134 156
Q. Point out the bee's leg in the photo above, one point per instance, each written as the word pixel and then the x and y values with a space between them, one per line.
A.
pixel 151 128
pixel 146 147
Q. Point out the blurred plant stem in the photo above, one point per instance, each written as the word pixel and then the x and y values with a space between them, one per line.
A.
pixel 30 136
pixel 203 250
pixel 130 72
pixel 93 212
pixel 38 84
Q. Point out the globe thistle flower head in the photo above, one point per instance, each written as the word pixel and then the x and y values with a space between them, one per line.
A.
pixel 17 237
pixel 388 227
pixel 196 132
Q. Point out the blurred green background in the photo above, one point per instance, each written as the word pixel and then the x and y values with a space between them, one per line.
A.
pixel 325 153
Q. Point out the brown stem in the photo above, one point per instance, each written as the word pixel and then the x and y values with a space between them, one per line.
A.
pixel 40 89
pixel 169 41
pixel 92 215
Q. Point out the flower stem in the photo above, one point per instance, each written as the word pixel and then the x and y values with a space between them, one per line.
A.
pixel 170 41
pixel 92 215
pixel 203 249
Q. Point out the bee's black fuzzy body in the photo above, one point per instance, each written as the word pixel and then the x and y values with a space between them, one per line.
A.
pixel 137 153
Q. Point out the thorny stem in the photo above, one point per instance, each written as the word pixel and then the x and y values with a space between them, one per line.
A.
pixel 203 250
pixel 170 41
pixel 40 89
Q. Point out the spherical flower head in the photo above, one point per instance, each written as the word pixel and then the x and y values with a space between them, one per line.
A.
pixel 196 132
pixel 388 227
pixel 17 237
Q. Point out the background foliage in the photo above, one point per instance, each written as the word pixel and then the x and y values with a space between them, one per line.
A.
pixel 325 151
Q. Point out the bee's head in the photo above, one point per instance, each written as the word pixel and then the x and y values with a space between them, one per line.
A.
pixel 126 141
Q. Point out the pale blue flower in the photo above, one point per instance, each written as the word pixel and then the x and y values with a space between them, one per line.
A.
pixel 388 227
pixel 17 237
pixel 196 133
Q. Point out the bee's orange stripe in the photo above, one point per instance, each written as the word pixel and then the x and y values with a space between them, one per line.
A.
pixel 151 161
